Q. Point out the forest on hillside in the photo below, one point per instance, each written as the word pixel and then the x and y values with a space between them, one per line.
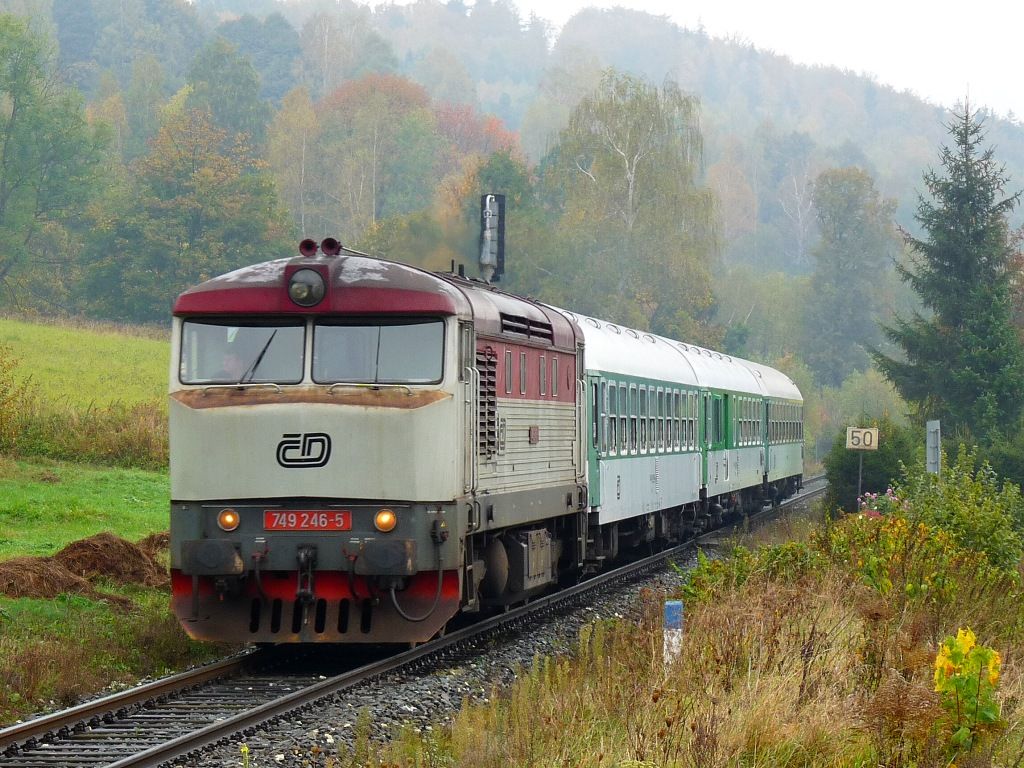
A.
pixel 655 176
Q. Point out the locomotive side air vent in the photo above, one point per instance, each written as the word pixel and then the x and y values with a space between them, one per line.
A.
pixel 487 364
pixel 524 326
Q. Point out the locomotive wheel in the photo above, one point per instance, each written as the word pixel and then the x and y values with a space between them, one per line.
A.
pixel 495 579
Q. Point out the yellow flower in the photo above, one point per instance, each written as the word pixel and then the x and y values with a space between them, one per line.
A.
pixel 965 640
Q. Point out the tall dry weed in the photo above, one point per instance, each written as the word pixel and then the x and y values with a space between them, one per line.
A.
pixel 16 400
pixel 133 436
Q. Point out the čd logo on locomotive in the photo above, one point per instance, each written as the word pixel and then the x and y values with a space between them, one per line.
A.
pixel 304 450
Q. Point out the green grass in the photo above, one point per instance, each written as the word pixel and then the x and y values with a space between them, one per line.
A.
pixel 54 651
pixel 45 505
pixel 89 365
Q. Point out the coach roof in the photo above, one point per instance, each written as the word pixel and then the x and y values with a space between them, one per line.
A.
pixel 614 349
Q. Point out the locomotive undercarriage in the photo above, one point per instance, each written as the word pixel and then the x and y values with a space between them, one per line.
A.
pixel 355 585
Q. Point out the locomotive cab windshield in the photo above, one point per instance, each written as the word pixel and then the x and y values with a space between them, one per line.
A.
pixel 358 351
pixel 378 352
pixel 233 352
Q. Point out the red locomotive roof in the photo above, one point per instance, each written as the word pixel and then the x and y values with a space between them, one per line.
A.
pixel 358 284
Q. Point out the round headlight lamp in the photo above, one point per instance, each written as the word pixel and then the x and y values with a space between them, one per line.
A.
pixel 228 519
pixel 385 520
pixel 306 287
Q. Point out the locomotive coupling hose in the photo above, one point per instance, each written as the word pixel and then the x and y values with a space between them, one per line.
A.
pixel 437 595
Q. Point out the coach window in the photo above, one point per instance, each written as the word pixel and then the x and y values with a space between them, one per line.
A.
pixel 634 409
pixel 554 377
pixel 623 416
pixel 675 420
pixel 508 372
pixel 670 421
pixel 643 418
pixel 594 411
pixel 544 376
pixel 522 373
pixel 604 415
pixel 613 403
pixel 661 419
pixel 687 424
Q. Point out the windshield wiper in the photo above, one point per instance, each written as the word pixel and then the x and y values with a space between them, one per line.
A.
pixel 251 370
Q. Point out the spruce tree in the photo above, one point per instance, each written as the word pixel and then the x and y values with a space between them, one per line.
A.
pixel 963 361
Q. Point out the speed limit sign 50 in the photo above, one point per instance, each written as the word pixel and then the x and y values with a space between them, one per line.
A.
pixel 862 439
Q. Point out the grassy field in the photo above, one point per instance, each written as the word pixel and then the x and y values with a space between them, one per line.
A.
pixel 88 365
pixel 45 505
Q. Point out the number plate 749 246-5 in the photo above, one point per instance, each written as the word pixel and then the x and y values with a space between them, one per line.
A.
pixel 307 520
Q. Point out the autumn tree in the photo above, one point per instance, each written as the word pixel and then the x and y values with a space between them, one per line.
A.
pixel 962 361
pixel 224 83
pixel 49 158
pixel 143 100
pixel 342 46
pixel 639 224
pixel 132 29
pixel 291 152
pixel 77 31
pixel 376 151
pixel 272 46
pixel 198 204
pixel 857 244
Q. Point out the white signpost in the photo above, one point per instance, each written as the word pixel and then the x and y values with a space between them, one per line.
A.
pixel 861 439
pixel 933 447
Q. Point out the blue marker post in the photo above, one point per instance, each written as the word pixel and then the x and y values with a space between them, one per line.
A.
pixel 673 644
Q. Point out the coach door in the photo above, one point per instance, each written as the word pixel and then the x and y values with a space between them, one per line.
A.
pixel 715 444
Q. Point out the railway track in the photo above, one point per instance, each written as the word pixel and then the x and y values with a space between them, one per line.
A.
pixel 175 716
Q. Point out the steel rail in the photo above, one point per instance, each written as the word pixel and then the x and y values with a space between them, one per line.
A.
pixel 66 720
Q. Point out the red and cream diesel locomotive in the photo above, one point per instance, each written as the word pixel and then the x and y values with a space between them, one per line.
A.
pixel 361 449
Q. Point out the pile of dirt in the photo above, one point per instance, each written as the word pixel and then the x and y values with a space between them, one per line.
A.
pixel 155 544
pixel 74 569
pixel 45 578
pixel 39 577
pixel 108 556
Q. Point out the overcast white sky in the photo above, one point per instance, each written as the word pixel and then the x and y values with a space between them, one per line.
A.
pixel 936 49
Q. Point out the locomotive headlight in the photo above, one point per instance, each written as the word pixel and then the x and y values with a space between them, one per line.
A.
pixel 385 521
pixel 306 287
pixel 228 519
